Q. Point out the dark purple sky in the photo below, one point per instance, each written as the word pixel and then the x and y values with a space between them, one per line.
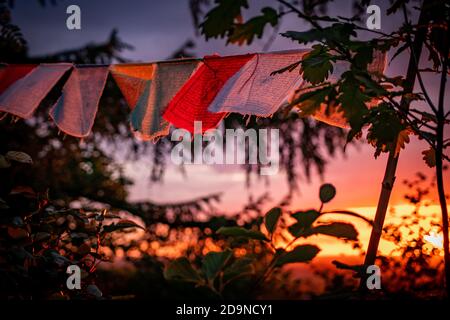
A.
pixel 156 28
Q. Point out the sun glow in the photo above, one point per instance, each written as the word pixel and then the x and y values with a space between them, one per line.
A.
pixel 436 239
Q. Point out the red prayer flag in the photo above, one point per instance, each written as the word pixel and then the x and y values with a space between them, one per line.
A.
pixel 192 101
pixel 11 73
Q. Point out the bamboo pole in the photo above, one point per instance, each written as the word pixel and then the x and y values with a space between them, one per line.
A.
pixel 439 163
pixel 391 165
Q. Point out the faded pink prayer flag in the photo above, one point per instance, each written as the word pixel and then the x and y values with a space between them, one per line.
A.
pixel 24 96
pixel 74 112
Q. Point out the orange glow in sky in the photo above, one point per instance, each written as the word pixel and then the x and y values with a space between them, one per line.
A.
pixel 357 177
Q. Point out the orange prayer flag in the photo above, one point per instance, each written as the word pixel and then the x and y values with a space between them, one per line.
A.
pixel 131 80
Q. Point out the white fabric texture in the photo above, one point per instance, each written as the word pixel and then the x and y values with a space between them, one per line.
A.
pixel 254 91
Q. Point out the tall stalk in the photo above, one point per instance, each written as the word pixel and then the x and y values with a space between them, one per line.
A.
pixel 439 162
pixel 391 166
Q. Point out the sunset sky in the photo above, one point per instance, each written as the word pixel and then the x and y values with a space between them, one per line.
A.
pixel 156 29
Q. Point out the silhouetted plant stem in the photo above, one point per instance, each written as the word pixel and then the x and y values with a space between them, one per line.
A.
pixel 391 166
pixel 383 202
pixel 439 164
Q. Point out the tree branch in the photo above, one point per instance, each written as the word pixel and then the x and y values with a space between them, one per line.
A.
pixel 419 76
pixel 310 19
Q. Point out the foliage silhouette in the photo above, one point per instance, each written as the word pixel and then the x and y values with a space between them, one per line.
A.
pixel 220 269
pixel 39 240
pixel 398 113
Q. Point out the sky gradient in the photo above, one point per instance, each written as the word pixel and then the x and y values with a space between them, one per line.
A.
pixel 156 29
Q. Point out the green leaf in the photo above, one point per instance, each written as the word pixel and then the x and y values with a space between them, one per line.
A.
pixel 311 101
pixel 214 262
pixel 356 268
pixel 316 65
pixel 19 156
pixel 429 156
pixel 372 88
pixel 385 127
pixel 327 192
pixel 94 291
pixel 239 268
pixel 336 33
pixel 296 230
pixel 363 55
pixel 245 33
pixel 304 37
pixel 41 236
pixel 220 20
pixel 304 221
pixel 57 258
pixel 4 163
pixel 306 218
pixel 301 253
pixel 271 219
pixel 337 229
pixel 181 270
pixel 353 101
pixel 121 224
pixel 241 232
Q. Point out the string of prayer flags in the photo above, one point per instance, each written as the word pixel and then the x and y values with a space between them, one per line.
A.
pixel 177 92
pixel 75 110
pixel 191 102
pixel 23 96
